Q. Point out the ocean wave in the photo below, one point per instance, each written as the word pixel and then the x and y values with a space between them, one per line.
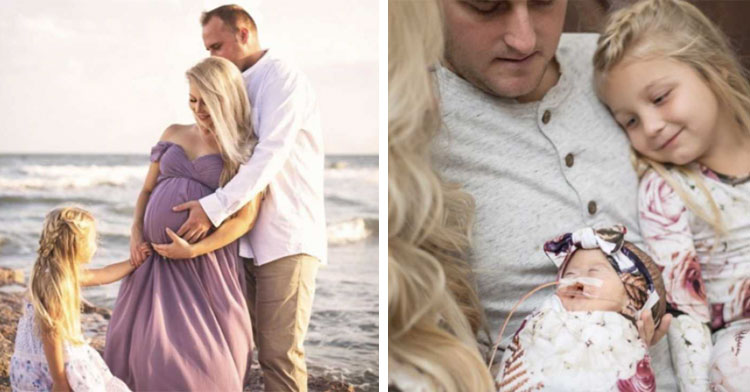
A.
pixel 33 199
pixel 343 201
pixel 360 173
pixel 17 244
pixel 72 177
pixel 352 230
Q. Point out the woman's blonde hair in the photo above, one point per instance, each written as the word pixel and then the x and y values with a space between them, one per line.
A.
pixel 677 30
pixel 222 88
pixel 67 241
pixel 433 309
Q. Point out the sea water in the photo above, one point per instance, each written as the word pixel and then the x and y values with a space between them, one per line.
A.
pixel 342 340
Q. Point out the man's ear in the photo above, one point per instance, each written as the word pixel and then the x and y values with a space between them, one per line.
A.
pixel 244 35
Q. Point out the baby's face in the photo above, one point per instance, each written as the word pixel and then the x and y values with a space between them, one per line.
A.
pixel 592 263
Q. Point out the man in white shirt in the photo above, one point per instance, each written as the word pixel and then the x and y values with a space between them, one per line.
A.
pixel 288 242
pixel 526 136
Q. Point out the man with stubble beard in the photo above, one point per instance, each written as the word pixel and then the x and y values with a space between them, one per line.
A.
pixel 525 134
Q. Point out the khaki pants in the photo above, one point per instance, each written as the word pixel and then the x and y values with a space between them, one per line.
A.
pixel 279 297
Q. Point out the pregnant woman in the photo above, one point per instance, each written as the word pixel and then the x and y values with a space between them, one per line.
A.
pixel 181 323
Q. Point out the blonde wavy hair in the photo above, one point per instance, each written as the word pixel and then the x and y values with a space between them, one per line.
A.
pixel 433 309
pixel 221 86
pixel 677 30
pixel 67 241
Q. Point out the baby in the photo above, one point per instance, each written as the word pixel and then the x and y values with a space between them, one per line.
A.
pixel 584 338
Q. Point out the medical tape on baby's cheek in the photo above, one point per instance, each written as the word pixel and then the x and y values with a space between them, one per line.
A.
pixel 584 280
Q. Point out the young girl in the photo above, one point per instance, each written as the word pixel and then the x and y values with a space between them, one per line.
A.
pixel 50 353
pixel 669 78
pixel 584 337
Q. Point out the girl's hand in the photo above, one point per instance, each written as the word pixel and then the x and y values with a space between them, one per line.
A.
pixel 138 253
pixel 145 249
pixel 178 249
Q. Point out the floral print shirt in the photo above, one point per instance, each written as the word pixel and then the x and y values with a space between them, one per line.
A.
pixel 704 278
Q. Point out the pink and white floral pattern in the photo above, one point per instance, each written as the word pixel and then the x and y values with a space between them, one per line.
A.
pixel 740 294
pixel 665 227
pixel 730 359
pixel 690 341
pixel 642 380
pixel 707 277
pixel 558 350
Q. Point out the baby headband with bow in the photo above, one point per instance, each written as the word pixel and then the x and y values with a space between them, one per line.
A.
pixel 629 262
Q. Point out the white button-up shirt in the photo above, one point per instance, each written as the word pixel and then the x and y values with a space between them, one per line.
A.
pixel 288 159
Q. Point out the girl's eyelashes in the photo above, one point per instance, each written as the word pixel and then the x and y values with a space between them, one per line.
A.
pixel 626 122
pixel 630 122
pixel 660 98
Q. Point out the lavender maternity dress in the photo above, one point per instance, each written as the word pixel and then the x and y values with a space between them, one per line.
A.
pixel 181 324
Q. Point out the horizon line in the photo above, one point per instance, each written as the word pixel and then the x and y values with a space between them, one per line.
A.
pixel 139 153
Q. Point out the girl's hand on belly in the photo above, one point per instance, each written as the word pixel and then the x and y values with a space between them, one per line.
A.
pixel 177 249
pixel 139 249
pixel 145 250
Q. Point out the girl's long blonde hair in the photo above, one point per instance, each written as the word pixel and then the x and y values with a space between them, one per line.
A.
pixel 433 308
pixel 221 86
pixel 67 240
pixel 677 30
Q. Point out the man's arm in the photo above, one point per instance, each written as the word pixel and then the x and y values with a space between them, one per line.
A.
pixel 229 231
pixel 280 120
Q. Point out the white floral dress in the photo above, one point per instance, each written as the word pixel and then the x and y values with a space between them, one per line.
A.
pixel 558 350
pixel 84 367
pixel 706 279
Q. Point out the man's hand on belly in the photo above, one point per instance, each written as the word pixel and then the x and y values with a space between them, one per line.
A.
pixel 197 224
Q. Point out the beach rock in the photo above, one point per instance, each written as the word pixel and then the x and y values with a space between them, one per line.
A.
pixel 10 311
pixel 88 307
pixel 314 383
pixel 94 321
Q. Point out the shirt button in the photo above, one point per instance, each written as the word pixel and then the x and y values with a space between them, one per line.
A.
pixel 546 116
pixel 592 207
pixel 569 160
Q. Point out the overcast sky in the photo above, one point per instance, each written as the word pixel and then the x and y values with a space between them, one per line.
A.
pixel 108 76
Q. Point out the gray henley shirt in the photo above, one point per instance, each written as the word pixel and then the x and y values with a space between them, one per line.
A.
pixel 536 170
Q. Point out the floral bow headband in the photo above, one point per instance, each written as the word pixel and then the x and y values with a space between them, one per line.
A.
pixel 630 266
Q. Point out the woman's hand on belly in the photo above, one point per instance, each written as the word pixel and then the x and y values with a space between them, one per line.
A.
pixel 177 249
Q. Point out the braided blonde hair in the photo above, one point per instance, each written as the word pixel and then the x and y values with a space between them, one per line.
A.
pixel 677 30
pixel 67 241
pixel 433 308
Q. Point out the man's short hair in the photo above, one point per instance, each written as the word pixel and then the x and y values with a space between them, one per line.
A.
pixel 233 16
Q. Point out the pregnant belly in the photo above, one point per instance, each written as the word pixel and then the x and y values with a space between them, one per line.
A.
pixel 159 215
